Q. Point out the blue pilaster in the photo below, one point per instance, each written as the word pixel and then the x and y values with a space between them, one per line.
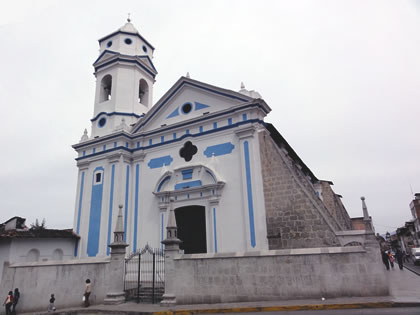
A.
pixel 249 194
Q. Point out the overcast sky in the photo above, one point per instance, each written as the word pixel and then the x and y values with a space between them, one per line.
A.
pixel 342 79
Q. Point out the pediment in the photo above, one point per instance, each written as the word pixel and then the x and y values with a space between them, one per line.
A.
pixel 108 55
pixel 186 100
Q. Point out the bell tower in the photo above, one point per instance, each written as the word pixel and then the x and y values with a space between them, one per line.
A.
pixel 125 76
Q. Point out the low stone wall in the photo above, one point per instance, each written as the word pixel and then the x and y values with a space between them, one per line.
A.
pixel 279 275
pixel 65 279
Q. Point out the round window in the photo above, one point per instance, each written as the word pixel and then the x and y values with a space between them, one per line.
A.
pixel 128 41
pixel 101 122
pixel 145 49
pixel 186 108
pixel 109 44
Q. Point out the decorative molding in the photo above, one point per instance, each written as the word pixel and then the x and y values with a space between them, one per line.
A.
pixel 245 132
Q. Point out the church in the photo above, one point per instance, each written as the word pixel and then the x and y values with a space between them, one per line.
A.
pixel 235 182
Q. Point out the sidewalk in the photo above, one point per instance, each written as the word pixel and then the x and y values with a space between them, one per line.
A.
pixel 404 286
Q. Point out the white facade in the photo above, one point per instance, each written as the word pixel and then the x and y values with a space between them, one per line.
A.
pixel 198 144
pixel 19 250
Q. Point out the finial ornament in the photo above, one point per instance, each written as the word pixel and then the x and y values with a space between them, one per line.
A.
pixel 242 85
pixel 128 19
pixel 85 136
pixel 188 75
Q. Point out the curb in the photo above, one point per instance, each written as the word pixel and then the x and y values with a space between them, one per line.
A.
pixel 282 308
pixel 291 308
pixel 412 270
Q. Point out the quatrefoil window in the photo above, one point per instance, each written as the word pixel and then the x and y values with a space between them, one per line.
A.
pixel 187 151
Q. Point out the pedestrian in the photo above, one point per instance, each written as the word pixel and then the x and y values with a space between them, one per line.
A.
pixel 8 303
pixel 88 289
pixel 16 297
pixel 51 306
pixel 385 259
pixel 400 255
pixel 391 259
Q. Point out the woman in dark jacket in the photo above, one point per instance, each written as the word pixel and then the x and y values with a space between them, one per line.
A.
pixel 16 297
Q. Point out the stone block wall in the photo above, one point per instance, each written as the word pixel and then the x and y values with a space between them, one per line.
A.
pixel 65 279
pixel 274 275
pixel 296 217
pixel 334 205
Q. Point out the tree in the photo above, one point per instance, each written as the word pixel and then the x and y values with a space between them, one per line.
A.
pixel 36 226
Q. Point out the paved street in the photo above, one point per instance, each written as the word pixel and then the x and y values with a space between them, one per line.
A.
pixel 376 311
pixel 414 268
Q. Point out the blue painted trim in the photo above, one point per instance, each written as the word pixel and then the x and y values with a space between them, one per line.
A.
pixel 162 182
pixel 95 215
pixel 127 182
pixel 79 212
pixel 187 132
pixel 167 142
pixel 115 144
pixel 215 125
pixel 194 85
pixel 126 33
pixel 111 201
pixel 194 183
pixel 126 144
pixel 200 130
pixel 162 138
pixel 93 150
pixel 230 121
pixel 103 53
pixel 174 135
pixel 174 113
pixel 84 153
pixel 219 149
pixel 161 230
pixel 187 174
pixel 160 161
pixel 214 230
pixel 136 208
pixel 76 248
pixel 104 148
pixel 138 144
pixel 150 142
pixel 244 117
pixel 199 106
pixel 116 113
pixel 115 60
pixel 249 192
pixel 203 118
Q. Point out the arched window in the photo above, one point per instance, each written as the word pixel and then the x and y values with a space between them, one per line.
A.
pixel 143 92
pixel 57 254
pixel 106 87
pixel 33 255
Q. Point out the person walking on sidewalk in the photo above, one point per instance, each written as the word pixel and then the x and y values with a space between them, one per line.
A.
pixel 16 297
pixel 51 306
pixel 88 289
pixel 399 255
pixel 8 303
pixel 385 260
pixel 391 259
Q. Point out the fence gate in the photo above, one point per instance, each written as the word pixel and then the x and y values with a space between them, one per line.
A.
pixel 144 279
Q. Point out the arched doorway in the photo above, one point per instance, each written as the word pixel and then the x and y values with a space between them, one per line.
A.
pixel 191 223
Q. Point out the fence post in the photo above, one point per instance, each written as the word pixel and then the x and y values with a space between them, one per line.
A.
pixel 115 272
pixel 153 278
pixel 171 251
pixel 138 279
